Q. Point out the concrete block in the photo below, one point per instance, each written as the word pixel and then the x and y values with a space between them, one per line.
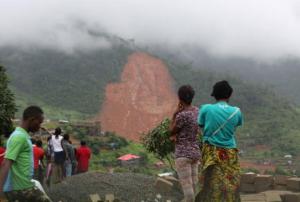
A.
pixel 163 185
pixel 280 179
pixel 253 198
pixel 95 197
pixel 247 188
pixel 109 198
pixel 293 184
pixel 279 187
pixel 263 183
pixel 262 187
pixel 272 196
pixel 290 197
pixel 263 179
pixel 248 178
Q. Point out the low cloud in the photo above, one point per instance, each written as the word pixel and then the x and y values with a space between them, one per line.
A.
pixel 259 29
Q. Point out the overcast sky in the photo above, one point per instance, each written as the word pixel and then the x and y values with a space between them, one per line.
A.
pixel 261 29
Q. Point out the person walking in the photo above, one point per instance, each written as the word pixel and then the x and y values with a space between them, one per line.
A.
pixel 83 155
pixel 17 169
pixel 220 163
pixel 38 154
pixel 49 159
pixel 74 164
pixel 70 155
pixel 59 155
pixel 184 131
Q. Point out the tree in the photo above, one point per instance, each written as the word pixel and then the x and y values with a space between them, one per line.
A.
pixel 7 104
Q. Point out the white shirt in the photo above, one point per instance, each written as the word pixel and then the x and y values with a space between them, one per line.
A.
pixel 56 143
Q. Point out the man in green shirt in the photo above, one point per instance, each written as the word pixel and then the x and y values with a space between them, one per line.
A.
pixel 17 169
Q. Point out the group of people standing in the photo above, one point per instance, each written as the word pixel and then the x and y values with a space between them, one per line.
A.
pixel 63 158
pixel 216 153
pixel 24 159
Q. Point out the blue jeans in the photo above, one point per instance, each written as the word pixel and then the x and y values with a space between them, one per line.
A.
pixel 68 168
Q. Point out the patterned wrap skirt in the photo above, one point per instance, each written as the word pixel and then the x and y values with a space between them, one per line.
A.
pixel 220 175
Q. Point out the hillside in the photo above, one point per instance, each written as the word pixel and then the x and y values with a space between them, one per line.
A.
pixel 269 119
pixel 76 83
pixel 142 98
pixel 68 81
pixel 280 75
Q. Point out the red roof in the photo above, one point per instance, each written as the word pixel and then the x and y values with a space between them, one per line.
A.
pixel 128 157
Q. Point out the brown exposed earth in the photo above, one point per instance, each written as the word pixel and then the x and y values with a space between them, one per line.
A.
pixel 142 99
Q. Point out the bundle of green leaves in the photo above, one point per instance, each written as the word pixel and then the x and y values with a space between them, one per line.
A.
pixel 157 140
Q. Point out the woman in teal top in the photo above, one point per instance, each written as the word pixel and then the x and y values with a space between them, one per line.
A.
pixel 220 165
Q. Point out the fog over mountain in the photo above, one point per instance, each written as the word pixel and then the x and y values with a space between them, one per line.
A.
pixel 264 30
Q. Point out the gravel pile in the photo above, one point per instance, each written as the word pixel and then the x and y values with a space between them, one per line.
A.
pixel 127 187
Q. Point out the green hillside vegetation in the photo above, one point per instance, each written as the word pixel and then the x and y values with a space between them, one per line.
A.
pixel 108 147
pixel 73 87
pixel 52 112
pixel 73 82
pixel 269 119
pixel 281 75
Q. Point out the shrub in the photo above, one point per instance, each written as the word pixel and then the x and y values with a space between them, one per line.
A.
pixel 157 141
pixel 281 171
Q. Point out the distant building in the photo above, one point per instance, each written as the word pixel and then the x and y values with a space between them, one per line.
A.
pixel 129 159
